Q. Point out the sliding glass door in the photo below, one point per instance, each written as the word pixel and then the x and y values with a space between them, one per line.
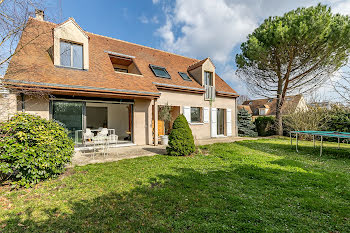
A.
pixel 71 115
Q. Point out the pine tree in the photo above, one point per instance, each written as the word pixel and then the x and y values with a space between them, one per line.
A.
pixel 245 124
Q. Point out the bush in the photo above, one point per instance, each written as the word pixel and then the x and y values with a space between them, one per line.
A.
pixel 32 149
pixel 181 141
pixel 265 126
pixel 339 119
pixel 245 124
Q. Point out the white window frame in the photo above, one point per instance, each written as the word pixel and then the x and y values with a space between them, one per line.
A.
pixel 262 110
pixel 71 54
pixel 200 122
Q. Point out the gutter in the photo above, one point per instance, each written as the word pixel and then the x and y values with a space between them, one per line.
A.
pixel 84 88
pixel 178 87
pixel 224 93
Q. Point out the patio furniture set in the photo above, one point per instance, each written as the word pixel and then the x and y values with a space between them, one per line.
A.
pixel 99 139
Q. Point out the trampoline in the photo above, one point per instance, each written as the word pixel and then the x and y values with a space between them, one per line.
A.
pixel 321 134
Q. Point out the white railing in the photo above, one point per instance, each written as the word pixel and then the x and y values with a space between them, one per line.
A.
pixel 209 92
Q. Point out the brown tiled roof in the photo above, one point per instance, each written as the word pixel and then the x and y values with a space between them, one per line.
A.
pixel 197 64
pixel 246 107
pixel 33 66
pixel 291 102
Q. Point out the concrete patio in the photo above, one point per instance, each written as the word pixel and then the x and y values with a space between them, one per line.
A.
pixel 81 158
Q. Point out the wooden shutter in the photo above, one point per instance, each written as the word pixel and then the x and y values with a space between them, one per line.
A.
pixel 206 115
pixel 214 127
pixel 187 113
pixel 229 122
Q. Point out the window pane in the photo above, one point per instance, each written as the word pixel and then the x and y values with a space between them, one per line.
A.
pixel 65 53
pixel 208 78
pixel 77 56
pixel 160 71
pixel 185 76
pixel 70 114
pixel 195 114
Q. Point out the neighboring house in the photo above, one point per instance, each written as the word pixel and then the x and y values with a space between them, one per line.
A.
pixel 246 107
pixel 88 81
pixel 267 107
pixel 326 104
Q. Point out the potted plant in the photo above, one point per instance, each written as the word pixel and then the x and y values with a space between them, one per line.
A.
pixel 164 114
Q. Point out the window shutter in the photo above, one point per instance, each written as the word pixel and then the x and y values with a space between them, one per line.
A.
pixel 214 127
pixel 206 115
pixel 229 122
pixel 187 113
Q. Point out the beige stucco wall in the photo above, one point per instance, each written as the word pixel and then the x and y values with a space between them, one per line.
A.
pixel 142 121
pixel 202 130
pixel 37 105
pixel 70 31
pixel 142 130
pixel 8 106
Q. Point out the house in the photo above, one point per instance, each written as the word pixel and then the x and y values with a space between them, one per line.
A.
pixel 88 82
pixel 267 107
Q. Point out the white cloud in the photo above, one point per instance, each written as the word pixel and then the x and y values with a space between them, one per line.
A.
pixel 155 1
pixel 212 29
pixel 207 28
pixel 146 20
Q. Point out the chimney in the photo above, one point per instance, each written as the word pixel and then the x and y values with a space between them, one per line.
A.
pixel 39 14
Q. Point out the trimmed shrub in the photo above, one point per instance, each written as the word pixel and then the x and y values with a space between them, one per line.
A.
pixel 32 149
pixel 181 142
pixel 265 126
pixel 245 125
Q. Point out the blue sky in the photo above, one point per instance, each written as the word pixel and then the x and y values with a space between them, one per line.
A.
pixel 194 28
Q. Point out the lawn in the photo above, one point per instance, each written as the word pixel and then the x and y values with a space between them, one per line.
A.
pixel 248 186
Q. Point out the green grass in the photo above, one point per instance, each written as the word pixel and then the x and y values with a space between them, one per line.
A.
pixel 248 186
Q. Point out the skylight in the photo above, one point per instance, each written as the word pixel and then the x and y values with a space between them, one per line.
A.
pixel 160 71
pixel 184 76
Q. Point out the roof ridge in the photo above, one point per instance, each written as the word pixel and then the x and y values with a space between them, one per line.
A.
pixel 148 47
pixel 108 37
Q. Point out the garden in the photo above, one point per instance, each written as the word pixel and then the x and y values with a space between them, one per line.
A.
pixel 250 186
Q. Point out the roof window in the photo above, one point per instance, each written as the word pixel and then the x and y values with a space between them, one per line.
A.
pixel 160 71
pixel 124 64
pixel 184 76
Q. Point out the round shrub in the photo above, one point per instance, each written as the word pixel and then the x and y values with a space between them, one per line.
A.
pixel 181 142
pixel 32 149
pixel 265 125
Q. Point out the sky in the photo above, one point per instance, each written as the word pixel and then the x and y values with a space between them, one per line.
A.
pixel 194 28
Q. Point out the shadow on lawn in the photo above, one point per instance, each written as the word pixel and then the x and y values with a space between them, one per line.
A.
pixel 304 148
pixel 244 198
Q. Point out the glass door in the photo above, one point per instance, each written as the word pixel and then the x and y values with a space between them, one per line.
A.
pixel 221 121
pixel 71 115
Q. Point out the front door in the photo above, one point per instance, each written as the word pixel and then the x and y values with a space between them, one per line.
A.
pixel 221 121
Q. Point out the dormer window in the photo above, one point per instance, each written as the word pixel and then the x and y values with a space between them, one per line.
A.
pixel 262 111
pixel 160 71
pixel 208 85
pixel 208 78
pixel 269 100
pixel 71 55
pixel 124 64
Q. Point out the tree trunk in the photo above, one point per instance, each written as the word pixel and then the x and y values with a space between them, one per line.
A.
pixel 278 123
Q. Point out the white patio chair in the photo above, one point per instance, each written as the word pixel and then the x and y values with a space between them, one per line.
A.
pixel 103 132
pixel 100 140
pixel 88 135
pixel 113 138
